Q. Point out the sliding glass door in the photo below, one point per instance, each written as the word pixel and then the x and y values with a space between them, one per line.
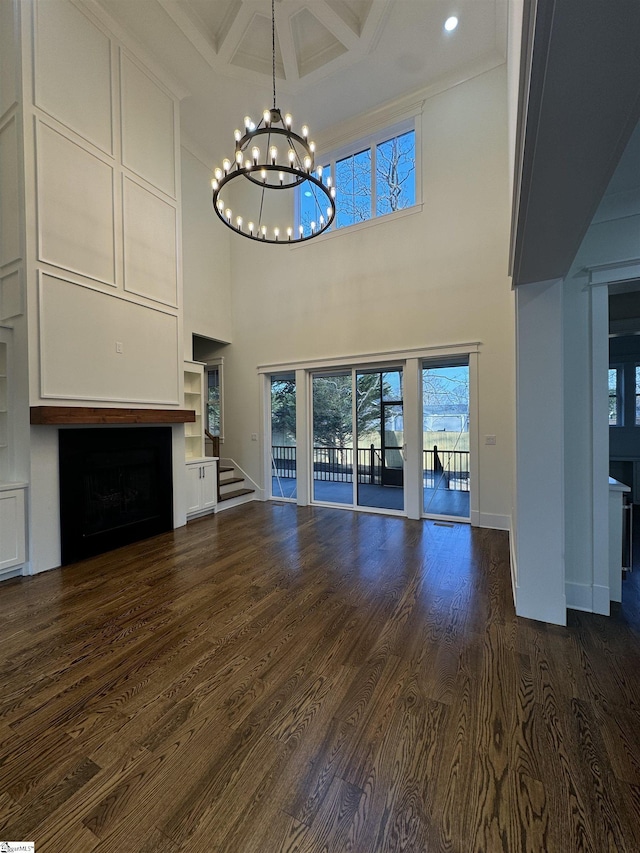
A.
pixel 380 438
pixel 358 438
pixel 446 452
pixel 284 482
pixel 339 437
pixel 332 445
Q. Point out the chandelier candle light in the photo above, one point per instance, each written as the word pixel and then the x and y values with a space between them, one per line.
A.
pixel 270 162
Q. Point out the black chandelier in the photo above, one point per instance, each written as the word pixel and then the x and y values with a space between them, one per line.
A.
pixel 270 163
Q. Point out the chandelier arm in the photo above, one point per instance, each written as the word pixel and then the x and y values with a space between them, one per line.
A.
pixel 261 131
pixel 268 167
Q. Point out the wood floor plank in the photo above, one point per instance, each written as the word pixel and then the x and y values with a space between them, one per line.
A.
pixel 281 678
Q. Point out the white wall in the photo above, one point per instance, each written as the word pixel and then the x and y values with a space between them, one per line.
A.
pixel 433 278
pixel 540 497
pixel 97 206
pixel 206 258
pixel 611 240
pixel 103 215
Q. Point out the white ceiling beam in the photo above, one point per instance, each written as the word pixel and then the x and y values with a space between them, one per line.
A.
pixel 229 45
pixel 287 47
pixel 192 31
pixel 334 24
pixel 374 24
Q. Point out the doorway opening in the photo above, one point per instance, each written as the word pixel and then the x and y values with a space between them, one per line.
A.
pixel 358 438
pixel 445 430
pixel 284 481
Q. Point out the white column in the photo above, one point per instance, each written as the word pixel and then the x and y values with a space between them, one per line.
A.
pixel 303 446
pixel 600 446
pixel 413 494
pixel 474 441
pixel 539 528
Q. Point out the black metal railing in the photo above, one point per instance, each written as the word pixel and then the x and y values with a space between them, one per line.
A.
pixel 447 469
pixel 283 461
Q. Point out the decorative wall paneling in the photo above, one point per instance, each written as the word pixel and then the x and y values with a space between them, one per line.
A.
pixel 11 294
pixel 147 127
pixel 76 206
pixel 10 192
pixel 73 72
pixel 107 215
pixel 8 59
pixel 81 331
pixel 150 244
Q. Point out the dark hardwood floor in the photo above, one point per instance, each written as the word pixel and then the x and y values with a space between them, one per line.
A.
pixel 285 679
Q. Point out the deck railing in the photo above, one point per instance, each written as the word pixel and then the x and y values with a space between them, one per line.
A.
pixel 448 469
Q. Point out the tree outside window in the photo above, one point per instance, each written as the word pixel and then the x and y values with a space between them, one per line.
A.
pixel 371 181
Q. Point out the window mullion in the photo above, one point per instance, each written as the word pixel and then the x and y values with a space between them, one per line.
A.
pixel 374 202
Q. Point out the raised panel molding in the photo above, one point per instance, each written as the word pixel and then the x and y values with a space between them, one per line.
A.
pixel 11 295
pixel 150 244
pixel 148 127
pixel 8 58
pixel 97 346
pixel 72 71
pixel 76 211
pixel 9 193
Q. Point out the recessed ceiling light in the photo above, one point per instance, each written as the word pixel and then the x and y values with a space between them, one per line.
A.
pixel 450 24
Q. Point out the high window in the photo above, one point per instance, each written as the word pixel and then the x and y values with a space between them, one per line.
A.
pixel 374 177
pixel 615 396
pixel 214 399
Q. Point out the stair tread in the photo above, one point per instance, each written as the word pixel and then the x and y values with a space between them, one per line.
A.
pixel 223 468
pixel 236 493
pixel 231 480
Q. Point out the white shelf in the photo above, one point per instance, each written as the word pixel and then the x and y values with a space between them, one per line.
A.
pixel 193 399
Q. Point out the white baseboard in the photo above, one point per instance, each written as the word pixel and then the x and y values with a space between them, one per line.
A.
pixel 589 598
pixel 13 572
pixel 601 600
pixel 579 596
pixel 514 564
pixel 494 522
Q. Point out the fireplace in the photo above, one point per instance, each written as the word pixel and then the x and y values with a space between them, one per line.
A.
pixel 115 488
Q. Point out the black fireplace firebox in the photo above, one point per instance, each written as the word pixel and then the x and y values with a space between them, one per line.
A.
pixel 115 488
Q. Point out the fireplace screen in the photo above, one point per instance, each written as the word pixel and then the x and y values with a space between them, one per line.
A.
pixel 115 488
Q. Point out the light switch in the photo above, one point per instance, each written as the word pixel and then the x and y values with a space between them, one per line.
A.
pixel 119 347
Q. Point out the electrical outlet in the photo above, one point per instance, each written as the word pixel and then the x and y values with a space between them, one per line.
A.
pixel 254 436
pixel 489 439
pixel 119 347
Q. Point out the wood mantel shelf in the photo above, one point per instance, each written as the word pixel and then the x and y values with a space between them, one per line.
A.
pixel 60 415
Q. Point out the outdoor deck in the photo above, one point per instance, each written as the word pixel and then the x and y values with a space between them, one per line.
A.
pixel 440 501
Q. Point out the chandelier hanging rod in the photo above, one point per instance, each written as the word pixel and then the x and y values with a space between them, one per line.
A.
pixel 267 170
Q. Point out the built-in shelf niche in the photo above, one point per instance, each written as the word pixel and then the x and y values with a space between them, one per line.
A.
pixel 193 399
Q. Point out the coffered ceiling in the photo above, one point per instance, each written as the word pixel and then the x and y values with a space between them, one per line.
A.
pixel 311 37
pixel 335 59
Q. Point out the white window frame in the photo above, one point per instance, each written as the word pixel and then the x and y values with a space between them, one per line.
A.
pixel 371 141
pixel 219 364
pixel 620 399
